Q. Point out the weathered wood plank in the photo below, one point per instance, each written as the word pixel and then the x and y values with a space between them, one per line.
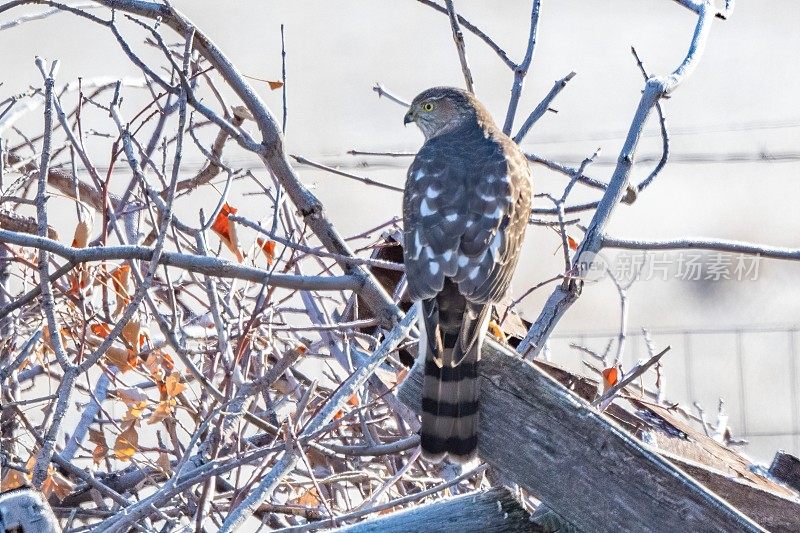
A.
pixel 697 446
pixel 786 469
pixel 578 462
pixel 494 510
pixel 774 512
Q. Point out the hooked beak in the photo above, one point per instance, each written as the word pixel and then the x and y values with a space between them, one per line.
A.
pixel 408 118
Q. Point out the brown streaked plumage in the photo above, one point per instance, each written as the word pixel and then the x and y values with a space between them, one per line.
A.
pixel 465 208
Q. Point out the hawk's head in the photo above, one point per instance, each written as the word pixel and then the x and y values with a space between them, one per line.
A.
pixel 442 109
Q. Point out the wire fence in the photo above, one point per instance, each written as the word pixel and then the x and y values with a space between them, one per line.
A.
pixel 754 370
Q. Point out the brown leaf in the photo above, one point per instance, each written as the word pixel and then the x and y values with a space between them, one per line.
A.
pixel 81 236
pixel 56 484
pixel 153 366
pixel 100 329
pixel 135 411
pixel 167 363
pixel 136 401
pixel 163 463
pixel 120 284
pixel 268 247
pixel 101 446
pixel 126 444
pixel 497 331
pixel 130 332
pixel 164 410
pixel 80 279
pixel 13 479
pixel 227 230
pixel 130 395
pixel 173 384
pixel 122 358
pixel 274 84
pixel 309 498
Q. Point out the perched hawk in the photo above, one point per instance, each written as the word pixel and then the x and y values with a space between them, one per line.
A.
pixel 465 209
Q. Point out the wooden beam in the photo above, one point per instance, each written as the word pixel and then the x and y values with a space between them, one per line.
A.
pixel 786 469
pixel 576 461
pixel 492 511
pixel 774 512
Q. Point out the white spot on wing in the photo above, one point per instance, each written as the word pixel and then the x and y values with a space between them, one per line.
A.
pixel 470 223
pixel 491 179
pixel 474 273
pixel 494 246
pixel 451 217
pixel 463 260
pixel 432 193
pixel 434 267
pixel 425 208
pixel 417 245
pixel 448 254
pixel 496 214
pixel 488 197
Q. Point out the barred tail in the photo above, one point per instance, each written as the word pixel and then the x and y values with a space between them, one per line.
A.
pixel 451 344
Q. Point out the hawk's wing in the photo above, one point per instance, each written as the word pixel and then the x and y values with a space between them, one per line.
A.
pixel 465 210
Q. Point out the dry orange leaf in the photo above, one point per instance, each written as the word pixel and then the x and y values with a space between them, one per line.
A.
pixel 135 411
pixel 227 230
pixel 611 377
pixel 130 332
pixel 274 84
pixel 126 444
pixel 56 484
pixel 13 479
pixel 572 243
pixel 136 401
pixel 153 365
pixel 81 236
pixel 268 247
pixel 163 463
pixel 497 331
pixel 80 279
pixel 353 400
pixel 122 358
pixel 48 342
pixel 309 498
pixel 163 411
pixel 130 395
pixel 100 450
pixel 167 362
pixel 100 329
pixel 173 384
pixel 120 282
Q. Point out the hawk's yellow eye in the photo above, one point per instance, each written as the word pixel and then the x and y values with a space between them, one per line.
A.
pixel 427 106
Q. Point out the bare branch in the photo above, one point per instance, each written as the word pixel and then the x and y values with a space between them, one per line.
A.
pixel 458 37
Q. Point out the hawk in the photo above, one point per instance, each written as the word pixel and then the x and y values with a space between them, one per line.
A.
pixel 466 205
